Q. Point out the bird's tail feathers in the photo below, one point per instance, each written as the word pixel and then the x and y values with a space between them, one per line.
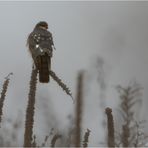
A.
pixel 44 68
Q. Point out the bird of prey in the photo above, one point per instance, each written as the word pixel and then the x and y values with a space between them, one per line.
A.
pixel 41 45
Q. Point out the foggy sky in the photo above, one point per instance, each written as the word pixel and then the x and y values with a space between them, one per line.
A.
pixel 115 31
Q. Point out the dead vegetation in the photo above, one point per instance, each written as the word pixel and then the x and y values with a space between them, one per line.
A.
pixel 130 136
pixel 28 135
pixel 3 94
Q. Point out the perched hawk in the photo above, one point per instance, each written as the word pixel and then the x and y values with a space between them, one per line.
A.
pixel 41 45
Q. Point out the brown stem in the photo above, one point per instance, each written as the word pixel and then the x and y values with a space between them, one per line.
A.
pixel 30 110
pixel 79 103
pixel 110 124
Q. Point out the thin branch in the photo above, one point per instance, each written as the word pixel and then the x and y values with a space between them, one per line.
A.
pixel 60 83
pixel 86 138
pixel 54 139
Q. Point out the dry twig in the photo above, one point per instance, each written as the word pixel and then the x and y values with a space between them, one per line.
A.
pixel 86 138
pixel 61 84
pixel 54 139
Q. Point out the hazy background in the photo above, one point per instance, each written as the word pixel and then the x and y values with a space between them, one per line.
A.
pixel 117 32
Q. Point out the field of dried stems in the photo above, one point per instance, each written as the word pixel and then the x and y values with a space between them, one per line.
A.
pixel 131 134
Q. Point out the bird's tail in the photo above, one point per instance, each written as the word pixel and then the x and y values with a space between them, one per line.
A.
pixel 44 68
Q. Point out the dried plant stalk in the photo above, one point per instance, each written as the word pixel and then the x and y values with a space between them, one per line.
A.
pixel 86 138
pixel 110 123
pixel 45 141
pixel 129 96
pixel 54 139
pixel 3 94
pixel 79 103
pixel 30 110
pixel 125 135
pixel 61 84
pixel 46 138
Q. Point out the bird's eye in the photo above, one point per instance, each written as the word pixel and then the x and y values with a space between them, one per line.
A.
pixel 45 26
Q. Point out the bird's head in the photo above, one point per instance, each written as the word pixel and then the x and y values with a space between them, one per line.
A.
pixel 42 25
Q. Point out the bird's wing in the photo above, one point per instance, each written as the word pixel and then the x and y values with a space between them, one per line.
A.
pixel 40 42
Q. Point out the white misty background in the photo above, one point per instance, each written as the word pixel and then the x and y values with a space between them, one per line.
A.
pixel 116 32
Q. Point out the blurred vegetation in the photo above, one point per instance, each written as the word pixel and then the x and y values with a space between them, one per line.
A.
pixel 130 135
